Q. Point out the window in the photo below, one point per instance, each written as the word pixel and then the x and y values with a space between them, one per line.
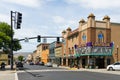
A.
pixel 72 50
pixel 84 36
pixel 100 37
pixel 117 63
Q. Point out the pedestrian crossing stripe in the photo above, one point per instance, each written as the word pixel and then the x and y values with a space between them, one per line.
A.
pixel 48 70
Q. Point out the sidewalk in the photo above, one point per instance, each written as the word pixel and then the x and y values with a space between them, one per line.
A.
pixel 101 71
pixel 92 70
pixel 7 74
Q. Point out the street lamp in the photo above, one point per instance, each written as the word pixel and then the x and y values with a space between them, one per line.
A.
pixel 117 52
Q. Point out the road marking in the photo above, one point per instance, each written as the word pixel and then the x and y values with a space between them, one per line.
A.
pixel 16 76
pixel 47 70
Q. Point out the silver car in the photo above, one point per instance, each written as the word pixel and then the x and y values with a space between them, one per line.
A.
pixel 49 64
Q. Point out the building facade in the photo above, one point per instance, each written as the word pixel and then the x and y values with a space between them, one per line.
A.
pixel 34 56
pixel 52 57
pixel 45 53
pixel 92 44
pixel 4 58
pixel 30 58
pixel 58 53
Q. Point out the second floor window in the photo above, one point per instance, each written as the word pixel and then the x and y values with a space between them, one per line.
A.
pixel 100 37
pixel 84 37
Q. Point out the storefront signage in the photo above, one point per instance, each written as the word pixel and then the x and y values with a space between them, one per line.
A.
pixel 94 50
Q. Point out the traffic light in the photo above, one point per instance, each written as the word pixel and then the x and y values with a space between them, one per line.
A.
pixel 19 20
pixel 39 38
pixel 58 39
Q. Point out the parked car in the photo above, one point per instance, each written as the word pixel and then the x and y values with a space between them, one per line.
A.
pixel 115 66
pixel 31 63
pixel 41 63
pixel 37 63
pixel 49 64
pixel 3 66
pixel 19 65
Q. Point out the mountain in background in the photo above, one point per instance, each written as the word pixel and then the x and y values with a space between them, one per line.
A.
pixel 25 54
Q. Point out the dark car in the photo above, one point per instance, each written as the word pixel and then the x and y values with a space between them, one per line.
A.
pixel 19 65
pixel 3 66
pixel 31 63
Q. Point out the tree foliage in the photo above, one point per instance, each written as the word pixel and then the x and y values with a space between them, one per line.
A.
pixel 20 58
pixel 5 38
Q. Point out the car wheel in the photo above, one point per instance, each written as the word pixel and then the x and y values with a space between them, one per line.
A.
pixel 110 68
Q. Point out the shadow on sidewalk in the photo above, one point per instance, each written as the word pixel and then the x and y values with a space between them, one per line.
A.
pixel 8 68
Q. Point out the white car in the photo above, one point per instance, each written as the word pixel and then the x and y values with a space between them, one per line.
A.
pixel 49 64
pixel 115 66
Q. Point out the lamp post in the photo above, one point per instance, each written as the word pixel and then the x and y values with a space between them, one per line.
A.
pixel 117 52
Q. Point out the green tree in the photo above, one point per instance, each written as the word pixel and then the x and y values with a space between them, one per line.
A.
pixel 20 58
pixel 5 38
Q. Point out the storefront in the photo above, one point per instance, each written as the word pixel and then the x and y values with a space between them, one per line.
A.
pixel 91 56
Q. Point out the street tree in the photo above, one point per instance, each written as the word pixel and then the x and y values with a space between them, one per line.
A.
pixel 20 58
pixel 5 38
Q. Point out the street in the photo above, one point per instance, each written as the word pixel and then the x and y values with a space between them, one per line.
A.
pixel 37 72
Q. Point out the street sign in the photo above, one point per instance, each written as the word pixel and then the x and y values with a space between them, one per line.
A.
pixel 26 39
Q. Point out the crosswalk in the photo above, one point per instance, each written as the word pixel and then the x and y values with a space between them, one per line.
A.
pixel 72 69
pixel 46 70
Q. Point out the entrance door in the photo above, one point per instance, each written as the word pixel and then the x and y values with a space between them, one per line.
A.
pixel 83 63
pixel 100 62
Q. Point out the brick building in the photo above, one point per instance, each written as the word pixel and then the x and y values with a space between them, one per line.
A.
pixel 93 44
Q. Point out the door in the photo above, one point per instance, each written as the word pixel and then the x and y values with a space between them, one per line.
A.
pixel 83 63
pixel 100 62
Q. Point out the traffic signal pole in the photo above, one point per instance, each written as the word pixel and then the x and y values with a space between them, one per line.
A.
pixel 17 19
pixel 11 53
pixel 42 37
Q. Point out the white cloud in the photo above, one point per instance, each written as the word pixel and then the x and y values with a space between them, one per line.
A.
pixel 62 20
pixel 96 4
pixel 58 19
pixel 4 18
pixel 29 3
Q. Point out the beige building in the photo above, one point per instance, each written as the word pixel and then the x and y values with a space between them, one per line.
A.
pixel 4 58
pixel 41 52
pixel 58 53
pixel 35 56
pixel 93 44
pixel 30 58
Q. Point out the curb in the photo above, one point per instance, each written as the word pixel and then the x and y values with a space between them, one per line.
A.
pixel 16 76
pixel 73 69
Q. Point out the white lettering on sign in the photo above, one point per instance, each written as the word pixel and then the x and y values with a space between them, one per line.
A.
pixel 88 50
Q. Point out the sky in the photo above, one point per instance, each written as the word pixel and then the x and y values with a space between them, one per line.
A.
pixel 51 17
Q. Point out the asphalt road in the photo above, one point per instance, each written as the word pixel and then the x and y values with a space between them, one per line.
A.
pixel 28 74
pixel 38 67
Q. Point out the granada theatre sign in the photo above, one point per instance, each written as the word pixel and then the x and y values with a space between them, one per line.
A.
pixel 89 49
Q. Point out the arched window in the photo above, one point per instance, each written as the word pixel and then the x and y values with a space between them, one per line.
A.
pixel 100 37
pixel 84 36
